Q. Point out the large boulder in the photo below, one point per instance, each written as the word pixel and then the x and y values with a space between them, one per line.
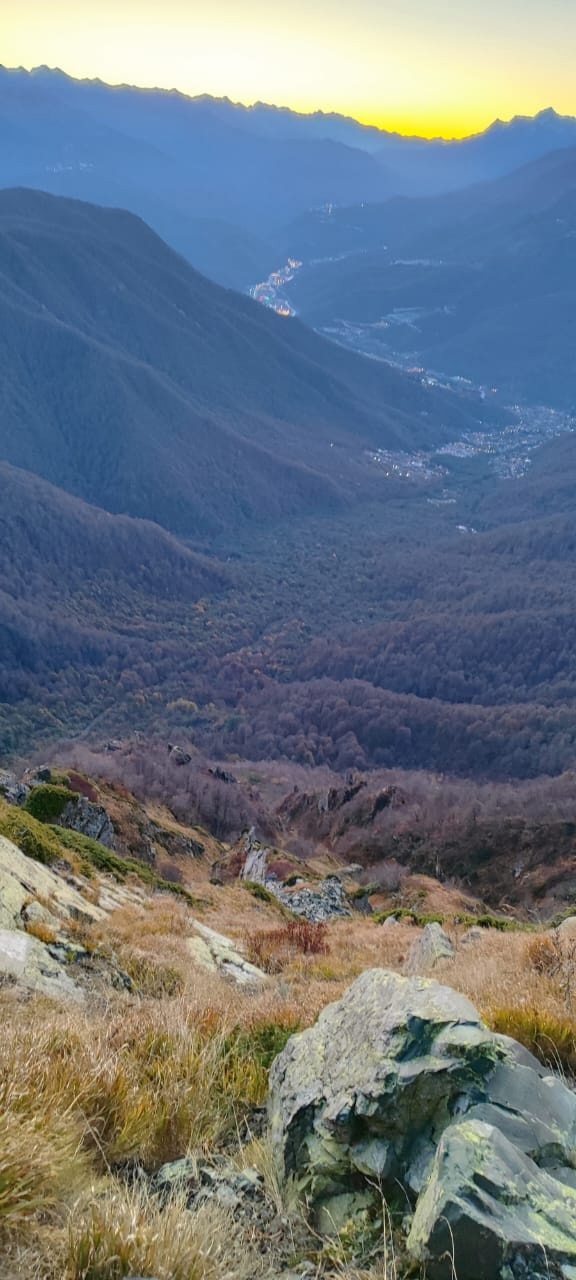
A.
pixel 358 1096
pixel 88 819
pixel 363 1099
pixel 488 1211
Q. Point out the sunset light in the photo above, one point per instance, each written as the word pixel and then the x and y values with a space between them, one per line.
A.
pixel 441 69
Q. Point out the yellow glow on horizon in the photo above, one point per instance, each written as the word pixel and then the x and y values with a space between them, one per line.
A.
pixel 435 71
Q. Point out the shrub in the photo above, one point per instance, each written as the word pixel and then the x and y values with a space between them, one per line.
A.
pixel 544 954
pixel 502 923
pixel 271 949
pixel 32 837
pixel 47 802
pixel 82 786
pixel 259 891
pixel 552 1038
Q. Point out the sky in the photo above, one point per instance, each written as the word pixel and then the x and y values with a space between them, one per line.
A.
pixel 432 67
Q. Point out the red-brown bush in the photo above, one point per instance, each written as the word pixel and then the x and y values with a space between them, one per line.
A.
pixel 271 949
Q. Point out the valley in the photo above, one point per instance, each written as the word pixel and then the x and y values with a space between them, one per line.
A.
pixel 287 658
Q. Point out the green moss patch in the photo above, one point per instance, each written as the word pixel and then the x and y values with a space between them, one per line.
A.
pixel 47 801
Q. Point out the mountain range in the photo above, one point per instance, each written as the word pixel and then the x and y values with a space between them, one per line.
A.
pixel 479 283
pixel 220 526
pixel 220 181
pixel 143 388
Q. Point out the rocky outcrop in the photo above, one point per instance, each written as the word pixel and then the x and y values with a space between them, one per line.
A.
pixel 432 946
pixel 88 819
pixel 22 880
pixel 27 961
pixel 393 1080
pixel 219 954
pixel 317 903
pixel 14 791
pixel 178 755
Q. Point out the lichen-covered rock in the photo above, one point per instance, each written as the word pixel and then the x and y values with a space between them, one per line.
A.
pixel 363 1098
pixel 490 1213
pixel 352 1096
pixel 567 930
pixel 23 880
pixel 428 949
pixel 216 952
pixel 27 961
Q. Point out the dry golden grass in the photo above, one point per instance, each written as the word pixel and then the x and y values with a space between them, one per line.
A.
pixel 38 929
pixel 128 1233
pixel 177 1067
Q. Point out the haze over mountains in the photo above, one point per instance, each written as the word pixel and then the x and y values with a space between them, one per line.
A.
pixel 479 283
pixel 142 387
pixel 222 524
pixel 220 181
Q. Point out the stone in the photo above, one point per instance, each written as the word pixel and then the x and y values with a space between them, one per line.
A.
pixel 14 791
pixel 22 880
pixel 88 819
pixel 567 930
pixel 364 1098
pixel 36 913
pixel 27 961
pixel 390 922
pixel 178 755
pixel 379 1069
pixel 473 935
pixel 217 953
pixel 432 946
pixel 243 1193
pixel 316 903
pixel 489 1213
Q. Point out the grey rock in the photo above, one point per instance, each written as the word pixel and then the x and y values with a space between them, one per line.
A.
pixel 178 755
pixel 14 791
pixel 567 930
pixel 219 954
pixel 365 1096
pixel 390 922
pixel 432 946
pixel 23 881
pixel 488 1212
pixel 473 934
pixel 319 903
pixel 36 913
pixel 238 1190
pixel 380 1069
pixel 88 819
pixel 27 961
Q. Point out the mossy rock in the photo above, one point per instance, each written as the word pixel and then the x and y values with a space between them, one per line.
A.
pixel 47 801
pixel 34 838
pixel 48 844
